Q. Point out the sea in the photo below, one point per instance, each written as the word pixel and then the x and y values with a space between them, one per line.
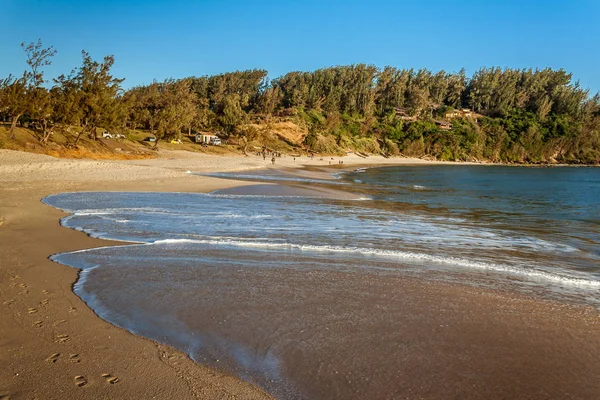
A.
pixel 267 284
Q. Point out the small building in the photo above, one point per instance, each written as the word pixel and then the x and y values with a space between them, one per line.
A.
pixel 401 112
pixel 462 113
pixel 452 114
pixel 444 125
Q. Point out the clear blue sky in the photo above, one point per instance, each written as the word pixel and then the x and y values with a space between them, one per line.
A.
pixel 156 39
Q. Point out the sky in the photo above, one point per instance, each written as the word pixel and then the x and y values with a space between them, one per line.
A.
pixel 160 39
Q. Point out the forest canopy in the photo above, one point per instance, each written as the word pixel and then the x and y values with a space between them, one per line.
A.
pixel 497 114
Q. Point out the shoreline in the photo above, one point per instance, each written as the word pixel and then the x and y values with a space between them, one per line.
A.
pixel 71 340
pixel 51 336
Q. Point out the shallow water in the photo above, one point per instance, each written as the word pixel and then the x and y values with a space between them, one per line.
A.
pixel 285 291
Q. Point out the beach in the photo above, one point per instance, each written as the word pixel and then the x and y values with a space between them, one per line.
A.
pixel 41 315
pixel 53 346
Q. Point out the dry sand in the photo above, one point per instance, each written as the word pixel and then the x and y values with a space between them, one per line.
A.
pixel 53 347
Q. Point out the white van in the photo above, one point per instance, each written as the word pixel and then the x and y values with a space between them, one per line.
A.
pixel 206 139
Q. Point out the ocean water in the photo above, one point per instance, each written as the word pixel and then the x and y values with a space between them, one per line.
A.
pixel 269 287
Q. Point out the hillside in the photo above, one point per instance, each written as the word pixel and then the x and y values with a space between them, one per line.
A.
pixel 500 115
pixel 132 146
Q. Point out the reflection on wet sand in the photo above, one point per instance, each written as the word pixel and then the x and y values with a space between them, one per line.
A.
pixel 338 298
pixel 307 327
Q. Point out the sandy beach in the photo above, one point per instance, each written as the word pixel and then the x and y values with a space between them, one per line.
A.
pixel 48 336
pixel 52 346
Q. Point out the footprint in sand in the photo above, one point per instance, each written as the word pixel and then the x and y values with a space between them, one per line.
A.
pixel 53 358
pixel 80 381
pixel 45 302
pixel 62 338
pixel 32 310
pixel 110 379
pixel 46 291
pixel 22 285
pixel 74 358
pixel 9 302
pixel 15 277
pixel 37 324
pixel 72 310
pixel 62 321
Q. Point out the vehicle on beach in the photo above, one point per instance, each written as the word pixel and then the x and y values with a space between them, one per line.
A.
pixel 207 139
pixel 107 135
pixel 150 139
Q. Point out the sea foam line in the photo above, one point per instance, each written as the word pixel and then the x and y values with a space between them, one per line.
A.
pixel 271 178
pixel 461 262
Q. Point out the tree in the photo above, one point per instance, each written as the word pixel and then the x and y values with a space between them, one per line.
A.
pixel 13 100
pixel 233 115
pixel 66 96
pixel 247 135
pixel 99 92
pixel 37 98
pixel 176 108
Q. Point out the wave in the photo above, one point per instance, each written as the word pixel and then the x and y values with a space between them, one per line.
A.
pixel 273 178
pixel 405 255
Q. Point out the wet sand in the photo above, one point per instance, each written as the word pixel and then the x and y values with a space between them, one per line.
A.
pixel 52 346
pixel 305 330
pixel 446 341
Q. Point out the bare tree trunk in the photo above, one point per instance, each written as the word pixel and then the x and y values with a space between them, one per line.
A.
pixel 79 136
pixel 13 126
pixel 155 148
pixel 92 133
pixel 245 148
pixel 46 132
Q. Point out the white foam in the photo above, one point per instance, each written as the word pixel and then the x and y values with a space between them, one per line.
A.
pixel 583 281
pixel 272 178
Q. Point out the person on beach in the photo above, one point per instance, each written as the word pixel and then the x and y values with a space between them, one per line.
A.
pixel 273 160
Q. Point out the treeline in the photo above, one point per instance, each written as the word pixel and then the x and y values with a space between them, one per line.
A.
pixel 532 116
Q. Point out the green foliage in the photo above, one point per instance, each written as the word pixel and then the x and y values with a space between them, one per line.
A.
pixel 175 109
pixel 390 147
pixel 322 143
pixel 524 115
pixel 233 115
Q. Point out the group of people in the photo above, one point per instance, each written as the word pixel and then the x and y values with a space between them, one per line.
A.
pixel 274 154
pixel 264 152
